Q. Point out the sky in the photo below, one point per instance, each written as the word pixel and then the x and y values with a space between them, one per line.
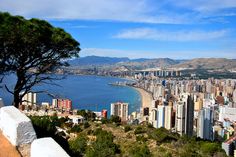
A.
pixel 175 29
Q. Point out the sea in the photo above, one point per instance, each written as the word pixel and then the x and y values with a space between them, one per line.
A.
pixel 86 92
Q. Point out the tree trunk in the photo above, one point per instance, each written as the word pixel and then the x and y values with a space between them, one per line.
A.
pixel 16 99
pixel 18 88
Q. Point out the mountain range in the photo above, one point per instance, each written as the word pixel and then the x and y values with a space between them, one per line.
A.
pixel 144 63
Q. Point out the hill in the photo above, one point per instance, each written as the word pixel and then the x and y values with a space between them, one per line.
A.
pixel 96 60
pixel 140 63
pixel 208 63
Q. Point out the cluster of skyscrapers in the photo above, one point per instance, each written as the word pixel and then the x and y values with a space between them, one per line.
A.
pixel 202 108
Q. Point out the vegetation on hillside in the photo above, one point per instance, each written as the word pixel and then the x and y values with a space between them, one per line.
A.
pixel 109 139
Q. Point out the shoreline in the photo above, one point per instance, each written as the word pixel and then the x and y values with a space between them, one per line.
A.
pixel 146 100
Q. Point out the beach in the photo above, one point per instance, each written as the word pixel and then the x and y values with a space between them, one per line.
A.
pixel 146 100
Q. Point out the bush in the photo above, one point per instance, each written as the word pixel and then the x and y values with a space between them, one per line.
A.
pixel 162 135
pixel 88 115
pixel 210 148
pixel 86 125
pixel 138 150
pixel 115 119
pixel 141 138
pixel 127 128
pixel 103 146
pixel 79 145
pixel 76 129
pixel 104 120
pixel 139 130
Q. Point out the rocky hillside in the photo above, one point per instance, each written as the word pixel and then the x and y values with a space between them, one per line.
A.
pixel 126 64
pixel 208 63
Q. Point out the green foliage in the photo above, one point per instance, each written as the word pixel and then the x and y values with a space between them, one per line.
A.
pixel 162 135
pixel 104 120
pixel 209 148
pixel 86 125
pixel 139 150
pixel 150 125
pixel 127 128
pixel 87 114
pixel 141 138
pixel 32 44
pixel 115 119
pixel 45 126
pixel 103 146
pixel 79 145
pixel 76 129
pixel 139 130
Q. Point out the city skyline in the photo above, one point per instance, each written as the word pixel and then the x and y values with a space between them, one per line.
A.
pixel 143 29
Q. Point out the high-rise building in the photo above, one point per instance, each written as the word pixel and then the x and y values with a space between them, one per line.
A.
pixel 205 124
pixel 189 115
pixel 1 103
pixel 180 118
pixel 153 117
pixel 168 117
pixel 120 109
pixel 65 104
pixel 104 113
pixel 227 113
pixel 29 99
pixel 234 96
pixel 161 116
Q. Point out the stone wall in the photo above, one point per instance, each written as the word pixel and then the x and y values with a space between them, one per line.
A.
pixel 16 126
pixel 47 147
pixel 18 129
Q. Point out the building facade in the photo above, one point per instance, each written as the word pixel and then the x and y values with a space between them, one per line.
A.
pixel 120 109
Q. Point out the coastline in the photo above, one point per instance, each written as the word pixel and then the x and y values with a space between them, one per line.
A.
pixel 146 100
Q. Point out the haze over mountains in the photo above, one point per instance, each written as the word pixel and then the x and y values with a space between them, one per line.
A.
pixel 142 63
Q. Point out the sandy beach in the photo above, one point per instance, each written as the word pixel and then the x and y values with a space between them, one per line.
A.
pixel 146 100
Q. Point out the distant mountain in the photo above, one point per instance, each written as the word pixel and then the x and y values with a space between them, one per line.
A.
pixel 141 63
pixel 124 64
pixel 149 63
pixel 96 60
pixel 208 63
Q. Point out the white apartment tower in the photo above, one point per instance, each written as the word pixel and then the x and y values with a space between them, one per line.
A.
pixel 29 99
pixel 120 109
pixel 168 114
pixel 180 118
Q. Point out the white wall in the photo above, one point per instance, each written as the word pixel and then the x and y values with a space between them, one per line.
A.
pixel 16 126
pixel 47 147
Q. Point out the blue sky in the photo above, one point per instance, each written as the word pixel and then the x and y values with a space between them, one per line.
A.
pixel 140 28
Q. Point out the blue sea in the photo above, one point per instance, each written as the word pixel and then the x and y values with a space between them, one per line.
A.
pixel 86 92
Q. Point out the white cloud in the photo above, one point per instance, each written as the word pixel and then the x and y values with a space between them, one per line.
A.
pixel 117 10
pixel 134 54
pixel 163 35
pixel 204 6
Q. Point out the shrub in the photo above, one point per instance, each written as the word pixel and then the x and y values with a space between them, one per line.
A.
pixel 115 119
pixel 76 129
pixel 79 145
pixel 103 146
pixel 86 125
pixel 139 130
pixel 127 128
pixel 141 138
pixel 138 150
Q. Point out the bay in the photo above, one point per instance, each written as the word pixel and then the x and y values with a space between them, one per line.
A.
pixel 86 92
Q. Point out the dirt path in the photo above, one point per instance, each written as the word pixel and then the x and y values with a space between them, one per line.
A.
pixel 6 149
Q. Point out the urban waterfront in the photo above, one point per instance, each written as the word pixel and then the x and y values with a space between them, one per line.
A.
pixel 86 92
